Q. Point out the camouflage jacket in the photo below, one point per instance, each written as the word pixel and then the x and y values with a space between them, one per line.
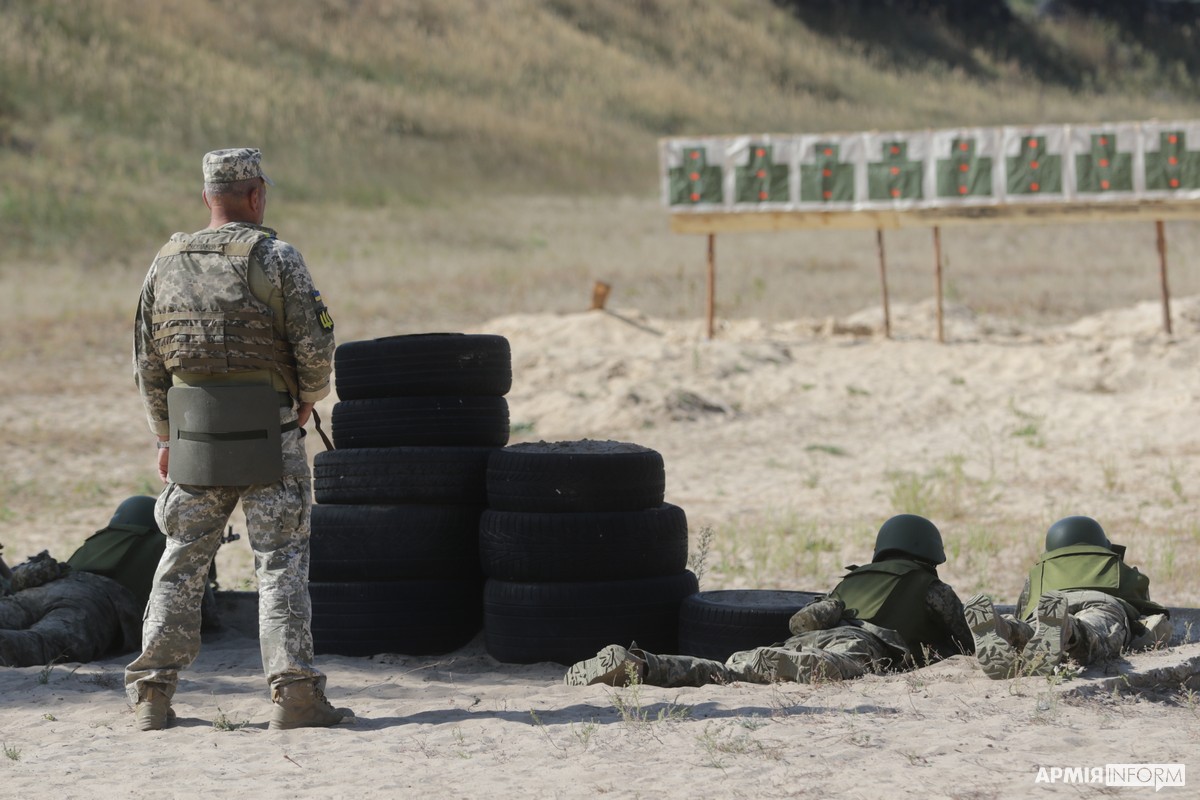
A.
pixel 306 326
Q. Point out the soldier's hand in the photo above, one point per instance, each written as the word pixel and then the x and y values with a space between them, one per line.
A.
pixel 303 412
pixel 164 457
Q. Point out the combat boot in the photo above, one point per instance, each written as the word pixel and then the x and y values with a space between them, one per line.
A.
pixel 302 704
pixel 1048 645
pixel 612 666
pixel 153 710
pixel 995 654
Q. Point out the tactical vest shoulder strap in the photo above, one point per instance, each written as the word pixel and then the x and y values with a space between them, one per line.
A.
pixel 231 249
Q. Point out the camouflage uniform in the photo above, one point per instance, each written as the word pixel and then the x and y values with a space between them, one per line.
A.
pixel 839 648
pixel 60 615
pixel 829 641
pixel 277 514
pixel 1098 623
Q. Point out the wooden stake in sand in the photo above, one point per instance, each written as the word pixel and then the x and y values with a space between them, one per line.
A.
pixel 937 272
pixel 600 293
pixel 887 313
pixel 712 281
pixel 1162 274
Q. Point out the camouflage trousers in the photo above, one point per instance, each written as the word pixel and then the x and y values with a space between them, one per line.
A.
pixel 837 653
pixel 277 527
pixel 79 617
pixel 1100 628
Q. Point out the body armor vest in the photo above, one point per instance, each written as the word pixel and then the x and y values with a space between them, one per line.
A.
pixel 891 594
pixel 128 554
pixel 1088 567
pixel 208 316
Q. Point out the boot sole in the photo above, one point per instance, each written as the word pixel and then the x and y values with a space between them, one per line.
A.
pixel 996 656
pixel 1045 649
pixel 607 667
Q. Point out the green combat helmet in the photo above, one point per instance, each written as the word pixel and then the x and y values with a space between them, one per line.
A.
pixel 1076 530
pixel 137 510
pixel 910 535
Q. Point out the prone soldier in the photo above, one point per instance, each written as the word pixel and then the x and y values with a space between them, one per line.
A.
pixel 892 614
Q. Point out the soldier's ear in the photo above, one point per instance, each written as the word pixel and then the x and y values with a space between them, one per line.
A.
pixel 204 197
pixel 256 196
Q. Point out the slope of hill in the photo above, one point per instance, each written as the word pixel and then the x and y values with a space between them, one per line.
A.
pixel 105 106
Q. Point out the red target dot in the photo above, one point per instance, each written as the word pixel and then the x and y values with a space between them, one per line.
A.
pixel 828 151
pixel 964 167
pixel 1103 184
pixel 1033 187
pixel 760 152
pixel 1033 143
pixel 1173 139
pixel 895 170
pixel 762 173
pixel 695 176
pixel 895 192
pixel 762 195
pixel 694 154
pixel 1034 165
pixel 1104 162
pixel 962 190
pixel 1174 183
pixel 1172 161
pixel 828 194
pixel 695 197
pixel 895 150
pixel 964 146
pixel 1104 141
pixel 827 173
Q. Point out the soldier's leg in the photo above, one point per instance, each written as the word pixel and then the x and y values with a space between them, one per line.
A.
pixel 15 616
pixel 277 526
pixel 836 653
pixel 619 666
pixel 193 519
pixel 73 619
pixel 18 646
pixel 677 670
pixel 1100 627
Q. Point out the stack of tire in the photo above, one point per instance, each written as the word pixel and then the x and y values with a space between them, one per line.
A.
pixel 580 551
pixel 395 527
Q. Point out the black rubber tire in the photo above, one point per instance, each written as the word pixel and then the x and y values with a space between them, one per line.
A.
pixel 421 422
pixel 583 546
pixel 717 624
pixel 363 475
pixel 394 542
pixel 575 476
pixel 426 364
pixel 524 623
pixel 416 617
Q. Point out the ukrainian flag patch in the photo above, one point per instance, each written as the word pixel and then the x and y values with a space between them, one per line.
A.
pixel 322 312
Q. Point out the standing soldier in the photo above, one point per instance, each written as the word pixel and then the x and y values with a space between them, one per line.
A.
pixel 232 347
pixel 892 614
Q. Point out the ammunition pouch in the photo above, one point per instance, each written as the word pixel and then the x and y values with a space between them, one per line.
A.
pixel 225 435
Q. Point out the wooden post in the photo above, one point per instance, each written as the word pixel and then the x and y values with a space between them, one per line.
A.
pixel 937 271
pixel 887 313
pixel 712 280
pixel 600 292
pixel 1162 273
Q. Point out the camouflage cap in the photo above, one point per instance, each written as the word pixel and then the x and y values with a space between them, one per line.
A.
pixel 236 164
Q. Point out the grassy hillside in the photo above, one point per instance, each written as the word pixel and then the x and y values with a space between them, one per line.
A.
pixel 107 105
